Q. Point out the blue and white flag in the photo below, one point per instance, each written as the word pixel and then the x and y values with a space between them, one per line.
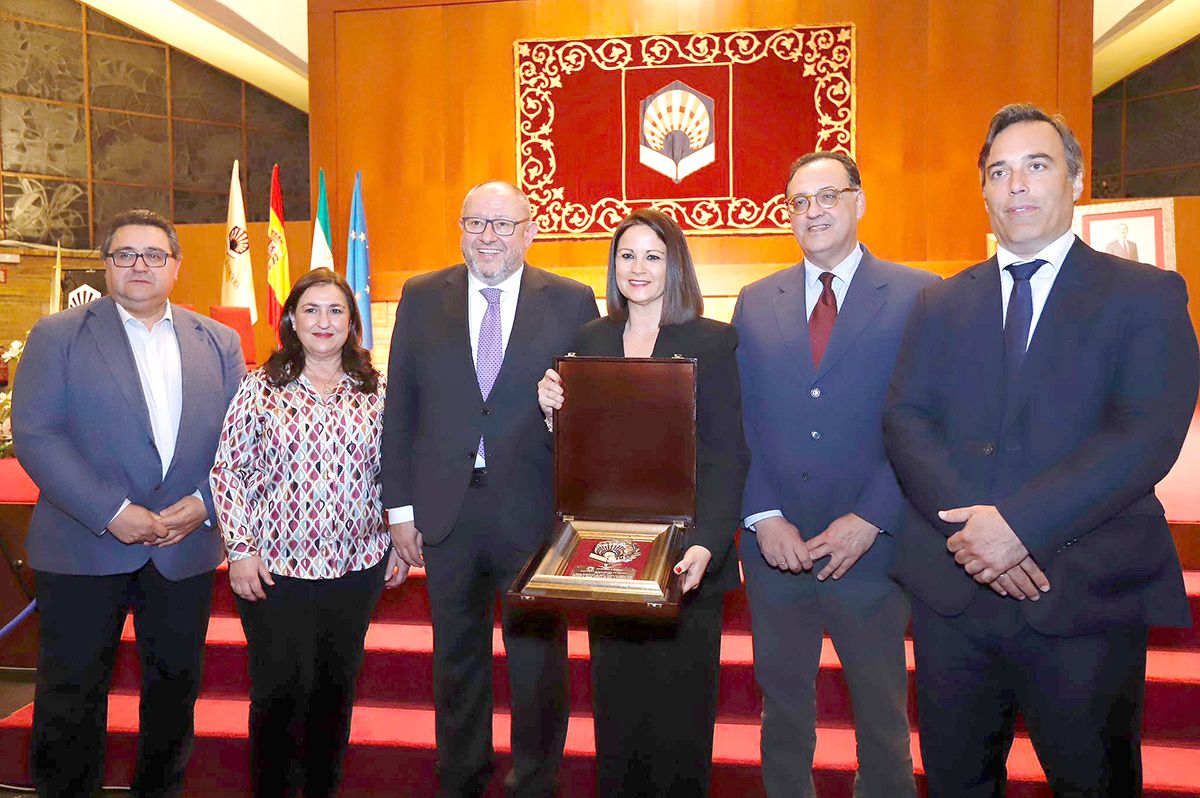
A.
pixel 358 262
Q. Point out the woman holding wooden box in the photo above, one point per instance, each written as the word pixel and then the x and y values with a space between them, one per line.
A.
pixel 654 683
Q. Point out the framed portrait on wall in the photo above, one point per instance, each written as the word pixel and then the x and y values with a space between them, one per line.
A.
pixel 1140 230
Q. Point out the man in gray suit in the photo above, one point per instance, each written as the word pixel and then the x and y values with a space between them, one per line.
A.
pixel 817 345
pixel 117 408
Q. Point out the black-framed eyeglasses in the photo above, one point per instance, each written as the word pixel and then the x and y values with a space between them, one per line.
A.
pixel 826 198
pixel 127 258
pixel 501 227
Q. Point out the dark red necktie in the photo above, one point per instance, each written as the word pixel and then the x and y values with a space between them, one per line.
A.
pixel 820 323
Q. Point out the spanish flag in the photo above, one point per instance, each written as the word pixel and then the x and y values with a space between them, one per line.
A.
pixel 279 281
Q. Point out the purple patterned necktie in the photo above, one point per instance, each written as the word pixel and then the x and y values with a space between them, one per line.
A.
pixel 489 351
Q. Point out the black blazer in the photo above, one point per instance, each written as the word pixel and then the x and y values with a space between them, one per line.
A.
pixel 1070 456
pixel 722 456
pixel 434 412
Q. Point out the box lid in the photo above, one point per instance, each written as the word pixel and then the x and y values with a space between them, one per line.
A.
pixel 625 439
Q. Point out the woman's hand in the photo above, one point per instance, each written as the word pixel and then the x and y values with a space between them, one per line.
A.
pixel 550 394
pixel 695 561
pixel 246 577
pixel 397 570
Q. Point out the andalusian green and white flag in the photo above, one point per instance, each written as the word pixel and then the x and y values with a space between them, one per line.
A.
pixel 322 253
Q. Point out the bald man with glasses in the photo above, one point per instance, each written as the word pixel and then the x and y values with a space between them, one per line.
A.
pixel 467 475
pixel 817 345
pixel 124 520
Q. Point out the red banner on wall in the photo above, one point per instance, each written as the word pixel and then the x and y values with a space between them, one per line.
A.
pixel 702 126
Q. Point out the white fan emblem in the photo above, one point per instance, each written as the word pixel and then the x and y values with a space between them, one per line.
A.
pixel 82 295
pixel 678 137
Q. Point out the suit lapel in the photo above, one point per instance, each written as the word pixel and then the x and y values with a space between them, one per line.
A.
pixel 457 337
pixel 665 345
pixel 793 321
pixel 865 298
pixel 984 314
pixel 105 326
pixel 1069 299
pixel 193 362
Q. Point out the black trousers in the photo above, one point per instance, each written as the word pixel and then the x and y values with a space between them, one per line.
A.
pixel 80 620
pixel 654 693
pixel 463 574
pixel 305 642
pixel 1081 698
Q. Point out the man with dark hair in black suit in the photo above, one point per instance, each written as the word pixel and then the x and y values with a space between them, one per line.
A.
pixel 1038 399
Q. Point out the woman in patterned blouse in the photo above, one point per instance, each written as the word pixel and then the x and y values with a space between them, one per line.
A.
pixel 296 487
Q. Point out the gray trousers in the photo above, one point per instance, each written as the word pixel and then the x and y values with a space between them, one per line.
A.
pixel 866 619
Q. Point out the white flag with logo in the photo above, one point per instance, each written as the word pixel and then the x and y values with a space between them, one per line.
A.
pixel 237 278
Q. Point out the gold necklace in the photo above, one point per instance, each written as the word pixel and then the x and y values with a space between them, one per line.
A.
pixel 327 388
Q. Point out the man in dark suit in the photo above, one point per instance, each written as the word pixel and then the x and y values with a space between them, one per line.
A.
pixel 1121 246
pixel 467 473
pixel 818 343
pixel 125 515
pixel 1038 398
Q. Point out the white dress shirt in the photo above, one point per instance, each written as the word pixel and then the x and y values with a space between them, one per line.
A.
pixel 510 290
pixel 156 355
pixel 1041 282
pixel 843 273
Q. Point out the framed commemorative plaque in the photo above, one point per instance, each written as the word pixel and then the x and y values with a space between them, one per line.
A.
pixel 624 488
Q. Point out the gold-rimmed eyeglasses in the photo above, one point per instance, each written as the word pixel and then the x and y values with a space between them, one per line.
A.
pixel 826 198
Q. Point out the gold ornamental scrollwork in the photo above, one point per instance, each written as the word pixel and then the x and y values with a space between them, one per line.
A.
pixel 825 54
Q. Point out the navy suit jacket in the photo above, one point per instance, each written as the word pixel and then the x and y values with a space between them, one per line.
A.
pixel 81 429
pixel 434 412
pixel 816 435
pixel 1069 454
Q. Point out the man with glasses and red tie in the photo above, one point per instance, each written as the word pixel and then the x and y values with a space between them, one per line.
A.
pixel 1038 398
pixel 117 408
pixel 821 507
pixel 468 477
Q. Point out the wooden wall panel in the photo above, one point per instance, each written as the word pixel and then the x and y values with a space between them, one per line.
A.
pixel 420 96
pixel 199 281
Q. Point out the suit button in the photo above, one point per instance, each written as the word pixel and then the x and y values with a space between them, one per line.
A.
pixel 815 393
pixel 485 411
pixel 471 455
pixel 157 488
pixel 816 436
pixel 804 477
pixel 989 449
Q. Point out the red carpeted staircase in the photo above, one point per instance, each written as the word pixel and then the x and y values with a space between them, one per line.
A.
pixel 392 741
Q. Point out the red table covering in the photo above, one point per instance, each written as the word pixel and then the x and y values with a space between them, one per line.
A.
pixel 15 485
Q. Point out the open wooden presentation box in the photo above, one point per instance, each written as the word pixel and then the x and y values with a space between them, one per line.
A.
pixel 624 487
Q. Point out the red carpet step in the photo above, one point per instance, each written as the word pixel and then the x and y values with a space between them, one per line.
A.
pixel 398 670
pixel 391 754
pixel 410 604
pixel 392 746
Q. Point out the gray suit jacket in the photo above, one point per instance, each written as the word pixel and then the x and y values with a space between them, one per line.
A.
pixel 81 429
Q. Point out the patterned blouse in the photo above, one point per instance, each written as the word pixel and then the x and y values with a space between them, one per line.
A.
pixel 296 478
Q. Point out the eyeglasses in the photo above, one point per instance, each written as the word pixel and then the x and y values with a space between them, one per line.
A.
pixel 826 198
pixel 501 227
pixel 128 258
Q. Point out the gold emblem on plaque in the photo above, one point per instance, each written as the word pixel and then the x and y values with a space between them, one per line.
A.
pixel 611 555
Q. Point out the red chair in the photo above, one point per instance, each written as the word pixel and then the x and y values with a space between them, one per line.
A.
pixel 239 320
